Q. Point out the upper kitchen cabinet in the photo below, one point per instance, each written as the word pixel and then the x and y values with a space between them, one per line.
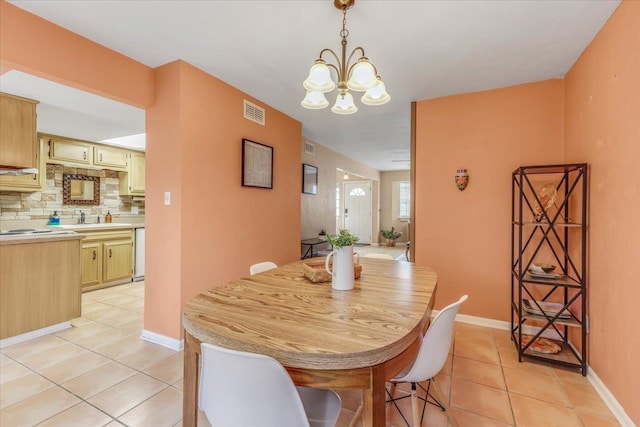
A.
pixel 76 153
pixel 30 182
pixel 132 181
pixel 70 152
pixel 18 132
pixel 110 158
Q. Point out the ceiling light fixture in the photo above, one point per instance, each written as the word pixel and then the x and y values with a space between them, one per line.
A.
pixel 346 176
pixel 361 76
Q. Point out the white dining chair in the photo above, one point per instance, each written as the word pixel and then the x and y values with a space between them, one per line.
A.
pixel 247 389
pixel 430 359
pixel 262 266
pixel 379 256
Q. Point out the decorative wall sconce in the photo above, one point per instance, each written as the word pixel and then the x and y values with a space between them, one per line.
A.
pixel 462 179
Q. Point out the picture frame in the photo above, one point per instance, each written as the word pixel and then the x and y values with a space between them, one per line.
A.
pixel 257 164
pixel 309 179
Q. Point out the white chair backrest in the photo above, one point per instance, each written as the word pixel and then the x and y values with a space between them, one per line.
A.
pixel 246 389
pixel 262 266
pixel 379 256
pixel 435 345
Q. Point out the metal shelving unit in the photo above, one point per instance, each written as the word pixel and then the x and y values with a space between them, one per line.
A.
pixel 550 230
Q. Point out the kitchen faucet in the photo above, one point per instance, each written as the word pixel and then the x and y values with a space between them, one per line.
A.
pixel 82 217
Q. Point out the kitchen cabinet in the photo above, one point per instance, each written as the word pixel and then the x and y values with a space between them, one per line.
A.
pixel 18 132
pixel 132 182
pixel 39 282
pixel 77 153
pixel 110 158
pixel 107 257
pixel 31 182
pixel 549 228
pixel 69 152
pixel 91 263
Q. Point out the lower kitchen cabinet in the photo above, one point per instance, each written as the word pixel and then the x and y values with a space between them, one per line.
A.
pixel 107 258
pixel 91 264
pixel 118 260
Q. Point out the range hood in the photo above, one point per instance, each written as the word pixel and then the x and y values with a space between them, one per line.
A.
pixel 17 172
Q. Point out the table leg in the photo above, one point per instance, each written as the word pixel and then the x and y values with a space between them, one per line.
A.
pixel 190 384
pixel 373 399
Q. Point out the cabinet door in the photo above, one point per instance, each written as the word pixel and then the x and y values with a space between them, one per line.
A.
pixel 111 158
pixel 18 132
pixel 67 151
pixel 118 260
pixel 26 183
pixel 138 166
pixel 91 264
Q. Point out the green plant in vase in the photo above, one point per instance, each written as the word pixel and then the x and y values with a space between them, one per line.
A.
pixel 391 236
pixel 342 239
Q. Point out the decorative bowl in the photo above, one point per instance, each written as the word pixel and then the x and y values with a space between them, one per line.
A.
pixel 542 268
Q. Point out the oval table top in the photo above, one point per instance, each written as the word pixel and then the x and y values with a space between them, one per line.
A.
pixel 308 325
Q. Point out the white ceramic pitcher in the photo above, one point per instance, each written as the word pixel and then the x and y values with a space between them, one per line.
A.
pixel 342 276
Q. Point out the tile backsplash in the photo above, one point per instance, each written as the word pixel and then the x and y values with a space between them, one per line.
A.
pixel 41 205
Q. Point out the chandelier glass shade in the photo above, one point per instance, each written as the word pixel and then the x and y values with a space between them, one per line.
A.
pixel 359 76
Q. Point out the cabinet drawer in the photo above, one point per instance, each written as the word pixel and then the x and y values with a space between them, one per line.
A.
pixel 111 158
pixel 99 236
pixel 64 151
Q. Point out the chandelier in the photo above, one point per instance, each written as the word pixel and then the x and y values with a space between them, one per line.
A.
pixel 360 76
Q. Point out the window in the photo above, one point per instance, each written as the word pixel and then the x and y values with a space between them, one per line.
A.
pixel 357 192
pixel 338 200
pixel 405 199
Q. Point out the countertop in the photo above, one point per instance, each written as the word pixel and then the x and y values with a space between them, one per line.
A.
pixel 38 238
pixel 96 227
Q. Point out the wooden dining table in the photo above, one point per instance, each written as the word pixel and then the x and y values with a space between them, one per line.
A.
pixel 356 339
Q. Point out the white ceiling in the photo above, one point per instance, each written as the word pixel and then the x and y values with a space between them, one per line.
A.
pixel 422 49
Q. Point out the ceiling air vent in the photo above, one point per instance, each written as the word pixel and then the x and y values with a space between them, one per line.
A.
pixel 253 112
pixel 309 148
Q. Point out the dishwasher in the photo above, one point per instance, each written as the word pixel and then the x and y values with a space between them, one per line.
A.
pixel 139 255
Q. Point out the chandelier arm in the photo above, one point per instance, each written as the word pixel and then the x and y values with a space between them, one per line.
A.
pixel 334 55
pixel 353 52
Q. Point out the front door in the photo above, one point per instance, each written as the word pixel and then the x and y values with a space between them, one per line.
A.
pixel 357 210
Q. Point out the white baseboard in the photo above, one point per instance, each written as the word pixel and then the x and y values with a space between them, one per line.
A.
pixel 501 324
pixel 612 403
pixel 609 399
pixel 162 340
pixel 6 342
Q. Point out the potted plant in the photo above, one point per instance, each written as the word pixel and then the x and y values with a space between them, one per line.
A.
pixel 342 239
pixel 342 272
pixel 322 235
pixel 391 236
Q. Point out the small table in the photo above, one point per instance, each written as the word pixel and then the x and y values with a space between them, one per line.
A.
pixel 311 243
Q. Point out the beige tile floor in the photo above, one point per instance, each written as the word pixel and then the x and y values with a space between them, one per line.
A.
pixel 100 373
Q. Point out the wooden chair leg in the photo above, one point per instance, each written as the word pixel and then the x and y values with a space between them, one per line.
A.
pixel 415 405
pixel 356 416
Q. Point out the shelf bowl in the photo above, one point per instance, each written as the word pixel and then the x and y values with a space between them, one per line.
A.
pixel 542 268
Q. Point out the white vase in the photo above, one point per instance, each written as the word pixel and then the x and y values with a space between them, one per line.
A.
pixel 342 276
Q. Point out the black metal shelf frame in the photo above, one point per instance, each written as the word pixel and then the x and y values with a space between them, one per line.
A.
pixel 552 231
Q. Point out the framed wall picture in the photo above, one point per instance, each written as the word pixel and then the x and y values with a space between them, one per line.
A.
pixel 309 179
pixel 257 164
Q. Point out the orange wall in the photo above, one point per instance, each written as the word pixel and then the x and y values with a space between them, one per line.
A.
pixel 33 45
pixel 602 127
pixel 194 150
pixel 465 236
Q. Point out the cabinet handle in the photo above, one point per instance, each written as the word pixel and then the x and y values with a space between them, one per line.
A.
pixel 94 255
pixel 109 253
pixel 100 156
pixel 84 155
pixel 35 177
